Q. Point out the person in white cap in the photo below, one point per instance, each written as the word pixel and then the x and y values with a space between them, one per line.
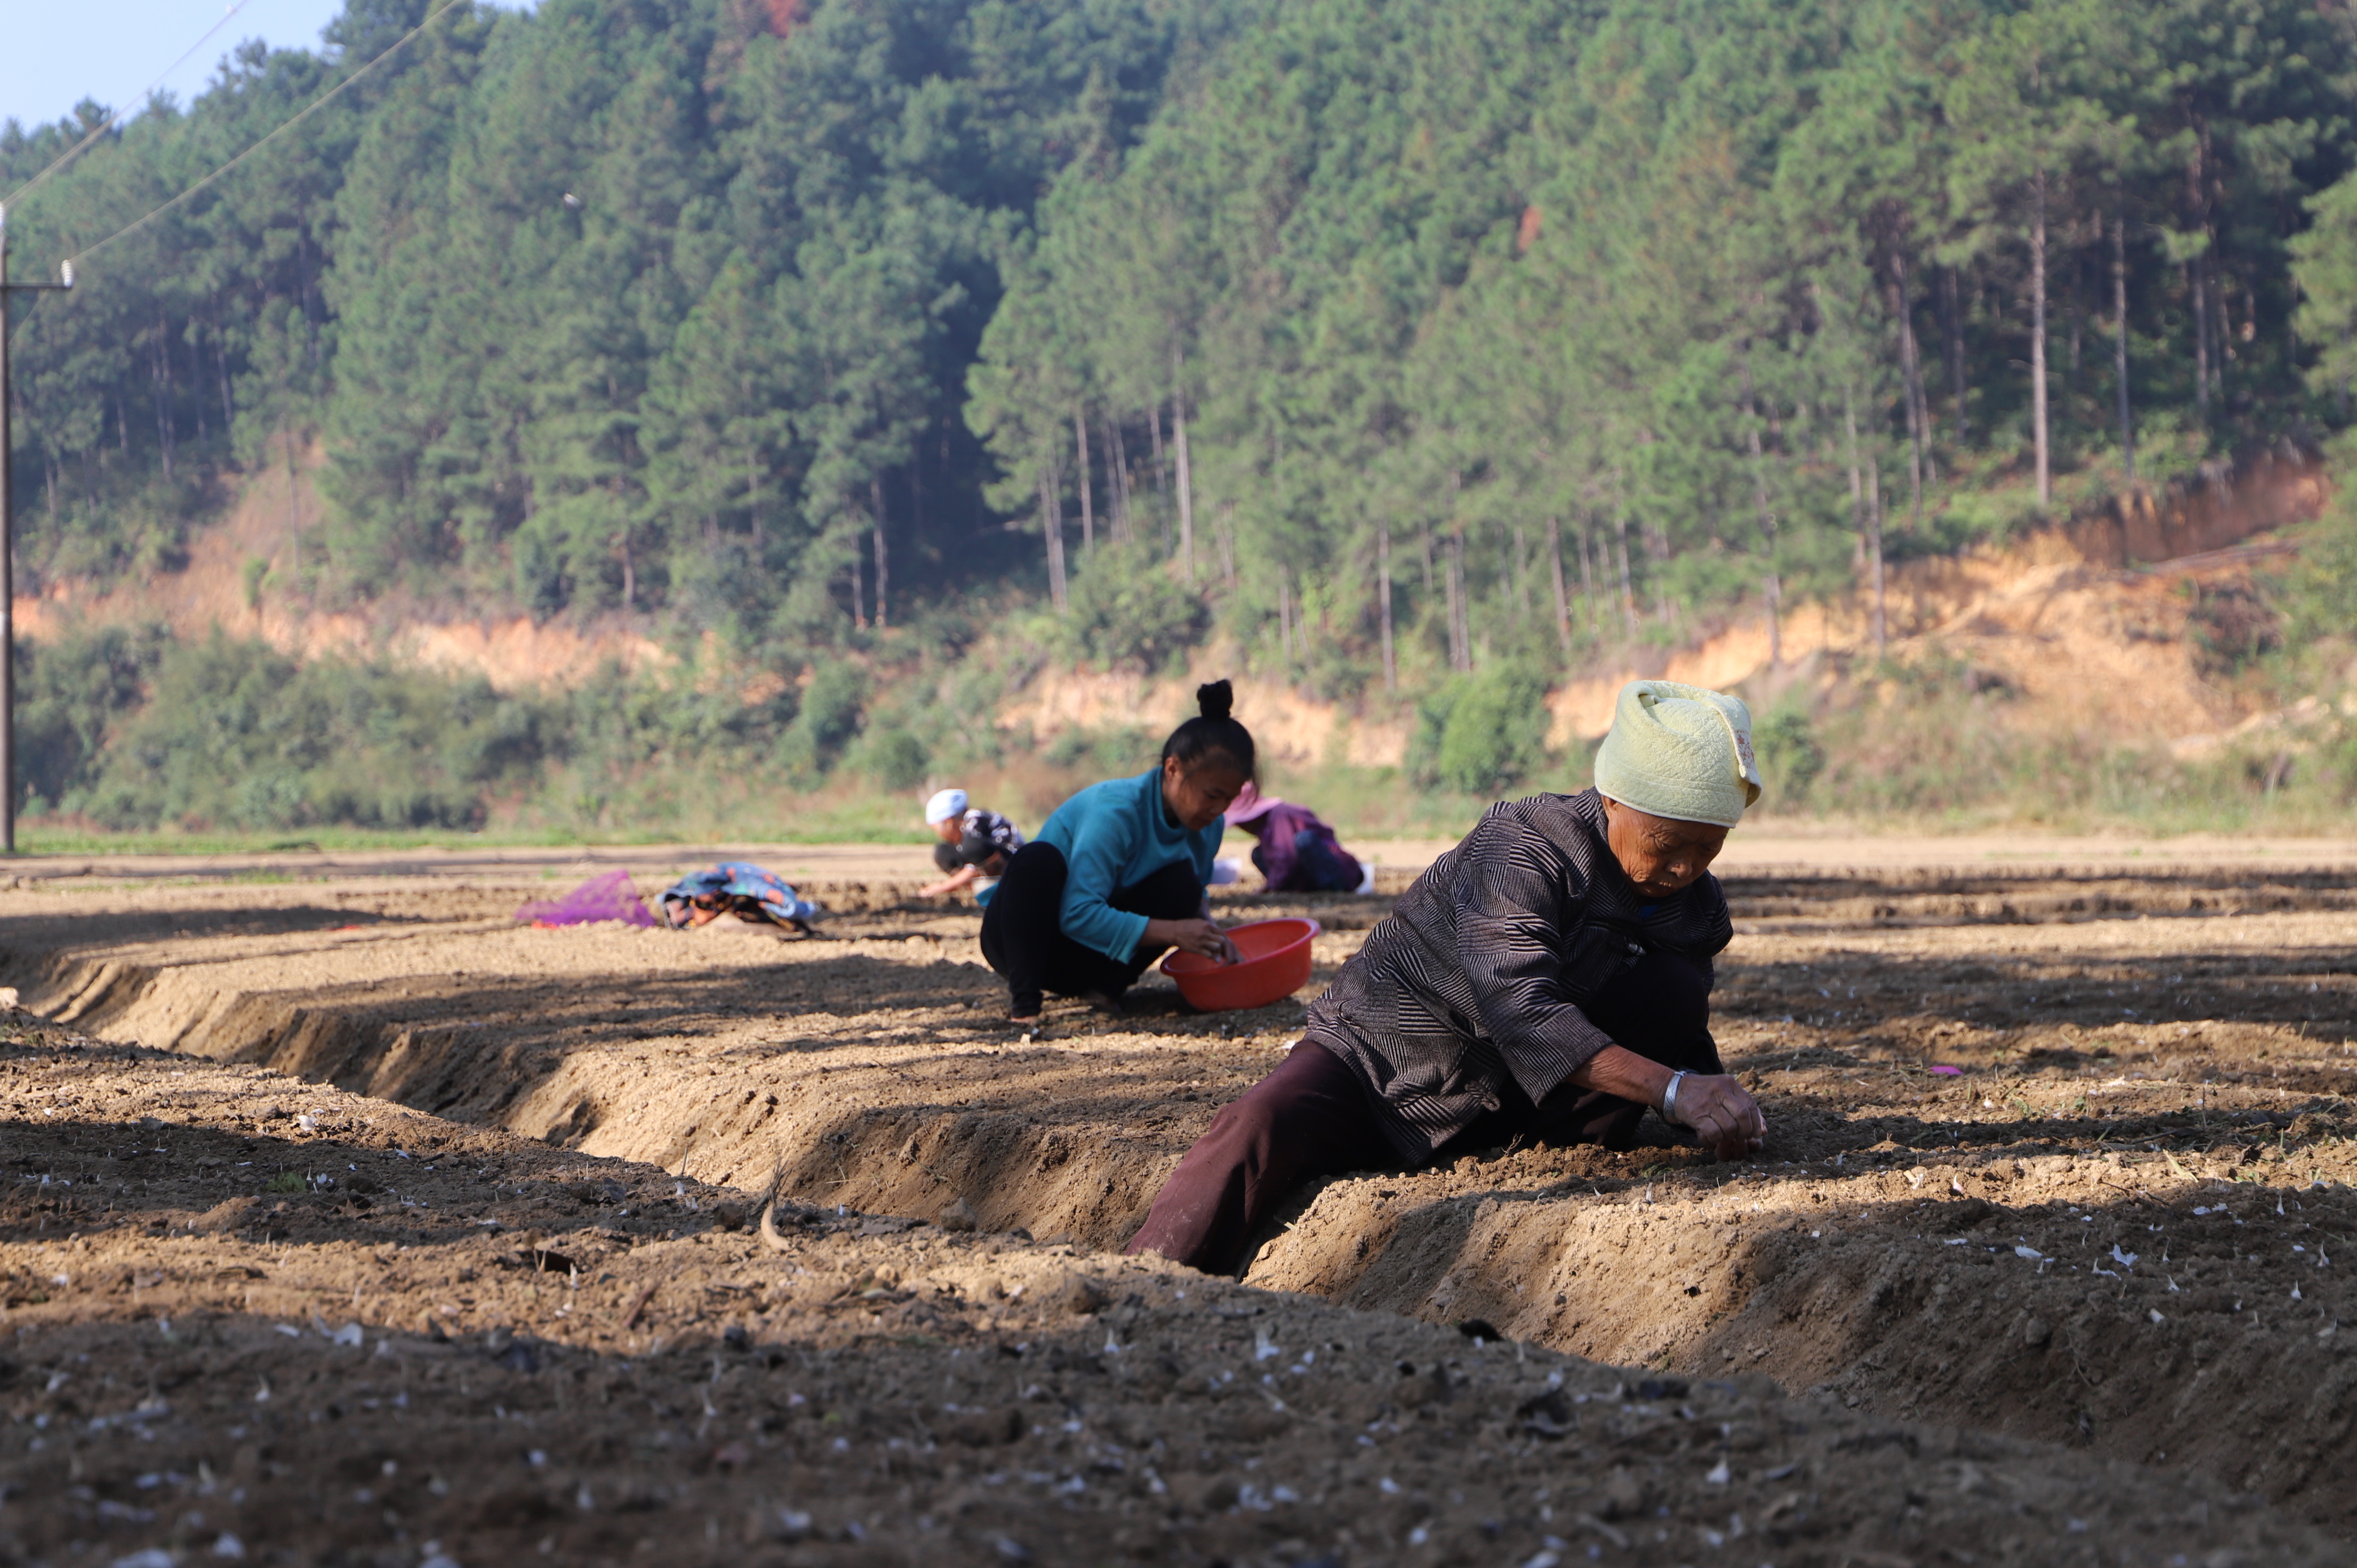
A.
pixel 1548 980
pixel 974 846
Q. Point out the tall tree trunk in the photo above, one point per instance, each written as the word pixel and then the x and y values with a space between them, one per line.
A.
pixel 883 553
pixel 1448 585
pixel 2038 424
pixel 2200 341
pixel 1464 595
pixel 1186 475
pixel 1052 522
pixel 1910 370
pixel 1154 429
pixel 629 576
pixel 1124 524
pixel 1285 612
pixel 2217 316
pixel 196 383
pixel 1088 515
pixel 2078 276
pixel 1460 609
pixel 2120 336
pixel 858 587
pixel 221 372
pixel 1562 600
pixel 1772 583
pixel 159 379
pixel 1657 551
pixel 1384 602
pixel 2209 317
pixel 1588 582
pixel 1522 572
pixel 1873 547
pixel 1955 356
pixel 753 507
pixel 294 499
pixel 1228 542
pixel 1857 478
pixel 1627 589
pixel 1424 537
pixel 1460 625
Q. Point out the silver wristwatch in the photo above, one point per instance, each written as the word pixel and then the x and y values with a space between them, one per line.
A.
pixel 1670 1099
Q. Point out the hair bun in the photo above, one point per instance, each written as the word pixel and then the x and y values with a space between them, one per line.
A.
pixel 1215 699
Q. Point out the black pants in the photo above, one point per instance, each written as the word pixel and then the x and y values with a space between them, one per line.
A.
pixel 1311 1117
pixel 1023 939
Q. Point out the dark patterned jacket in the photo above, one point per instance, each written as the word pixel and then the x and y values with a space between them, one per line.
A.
pixel 1476 979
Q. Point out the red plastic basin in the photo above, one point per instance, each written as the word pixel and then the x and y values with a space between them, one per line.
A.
pixel 1275 964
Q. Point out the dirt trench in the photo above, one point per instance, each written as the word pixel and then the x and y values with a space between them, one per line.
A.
pixel 1941 1247
pixel 254 1319
pixel 1820 902
pixel 870 1068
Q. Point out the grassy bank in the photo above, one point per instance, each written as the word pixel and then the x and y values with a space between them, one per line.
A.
pixel 132 739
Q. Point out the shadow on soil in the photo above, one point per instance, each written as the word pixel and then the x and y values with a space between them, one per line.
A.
pixel 1955 1269
pixel 2161 1326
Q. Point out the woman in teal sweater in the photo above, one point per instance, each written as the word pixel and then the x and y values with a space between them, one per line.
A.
pixel 1116 877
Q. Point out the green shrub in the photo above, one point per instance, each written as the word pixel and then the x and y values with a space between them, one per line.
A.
pixel 1790 756
pixel 1128 612
pixel 895 758
pixel 73 695
pixel 828 721
pixel 1115 753
pixel 237 734
pixel 2230 625
pixel 2319 594
pixel 1481 735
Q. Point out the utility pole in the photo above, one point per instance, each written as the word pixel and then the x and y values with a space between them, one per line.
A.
pixel 8 547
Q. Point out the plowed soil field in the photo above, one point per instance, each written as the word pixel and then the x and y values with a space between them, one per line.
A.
pixel 346 1221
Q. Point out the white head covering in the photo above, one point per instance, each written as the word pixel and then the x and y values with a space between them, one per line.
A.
pixel 1679 751
pixel 942 807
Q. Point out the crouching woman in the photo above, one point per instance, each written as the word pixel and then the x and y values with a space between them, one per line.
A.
pixel 1117 876
pixel 1548 979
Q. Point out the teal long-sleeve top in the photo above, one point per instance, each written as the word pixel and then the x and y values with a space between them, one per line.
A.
pixel 1114 834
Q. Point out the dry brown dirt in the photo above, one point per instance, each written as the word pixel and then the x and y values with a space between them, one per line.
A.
pixel 470 1202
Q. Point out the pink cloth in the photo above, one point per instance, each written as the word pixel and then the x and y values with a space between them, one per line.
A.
pixel 607 898
pixel 1251 805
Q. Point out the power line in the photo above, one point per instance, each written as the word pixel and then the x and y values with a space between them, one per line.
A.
pixel 141 222
pixel 117 117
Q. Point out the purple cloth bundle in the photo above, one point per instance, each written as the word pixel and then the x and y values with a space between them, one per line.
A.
pixel 607 898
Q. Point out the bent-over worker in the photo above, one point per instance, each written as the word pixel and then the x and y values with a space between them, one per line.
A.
pixel 1549 978
pixel 1118 874
pixel 1297 852
pixel 972 844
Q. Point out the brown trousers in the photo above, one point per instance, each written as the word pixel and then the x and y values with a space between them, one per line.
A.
pixel 1312 1117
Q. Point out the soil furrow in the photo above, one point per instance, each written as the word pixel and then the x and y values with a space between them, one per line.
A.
pixel 1975 1121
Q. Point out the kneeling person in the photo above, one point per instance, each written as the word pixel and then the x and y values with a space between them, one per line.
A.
pixel 1118 874
pixel 1548 978
pixel 972 844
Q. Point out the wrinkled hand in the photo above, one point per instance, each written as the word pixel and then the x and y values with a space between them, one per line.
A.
pixel 1722 1113
pixel 1192 936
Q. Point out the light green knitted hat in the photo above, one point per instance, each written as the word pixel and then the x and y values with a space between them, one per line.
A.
pixel 1679 751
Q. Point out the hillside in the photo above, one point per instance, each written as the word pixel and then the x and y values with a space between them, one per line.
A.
pixel 886 391
pixel 2107 624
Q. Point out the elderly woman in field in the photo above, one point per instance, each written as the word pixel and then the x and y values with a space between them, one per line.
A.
pixel 1549 978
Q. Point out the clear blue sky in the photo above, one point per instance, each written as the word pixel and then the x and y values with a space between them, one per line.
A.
pixel 54 53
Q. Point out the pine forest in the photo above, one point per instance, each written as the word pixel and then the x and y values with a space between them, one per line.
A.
pixel 873 354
